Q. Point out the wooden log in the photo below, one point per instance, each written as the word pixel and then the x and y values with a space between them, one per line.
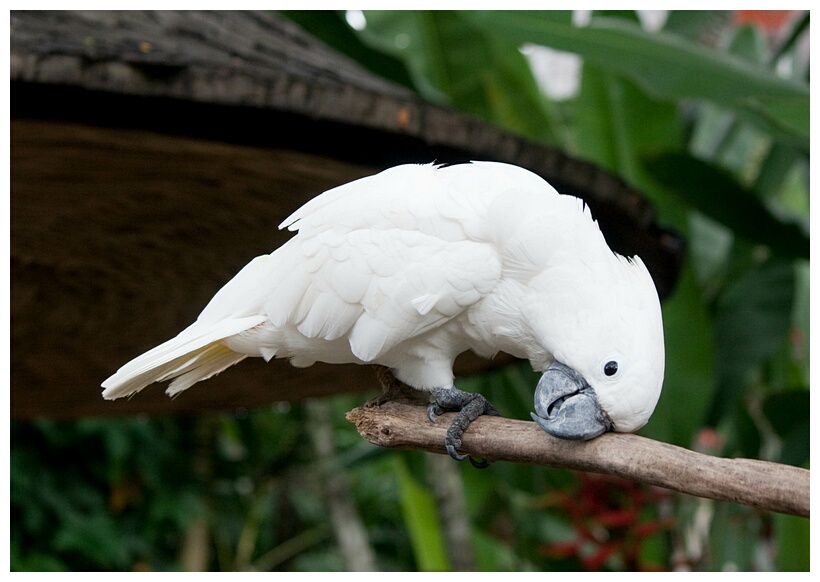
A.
pixel 760 484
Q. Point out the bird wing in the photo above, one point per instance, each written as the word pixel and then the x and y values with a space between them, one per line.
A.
pixel 385 258
pixel 379 288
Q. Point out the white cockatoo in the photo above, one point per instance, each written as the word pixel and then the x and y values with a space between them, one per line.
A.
pixel 419 263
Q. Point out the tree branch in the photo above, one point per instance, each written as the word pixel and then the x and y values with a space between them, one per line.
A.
pixel 760 484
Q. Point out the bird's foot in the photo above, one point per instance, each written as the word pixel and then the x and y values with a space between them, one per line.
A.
pixel 469 407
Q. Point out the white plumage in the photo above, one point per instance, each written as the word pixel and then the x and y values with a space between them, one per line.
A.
pixel 411 267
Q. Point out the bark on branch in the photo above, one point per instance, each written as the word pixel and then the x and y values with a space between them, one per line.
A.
pixel 760 484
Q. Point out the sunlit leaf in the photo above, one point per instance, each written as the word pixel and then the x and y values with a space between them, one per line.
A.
pixel 616 123
pixel 664 64
pixel 421 519
pixel 781 115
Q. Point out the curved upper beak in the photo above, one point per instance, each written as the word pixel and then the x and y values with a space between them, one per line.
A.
pixel 566 405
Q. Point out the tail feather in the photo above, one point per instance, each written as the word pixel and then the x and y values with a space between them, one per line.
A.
pixel 213 359
pixel 195 354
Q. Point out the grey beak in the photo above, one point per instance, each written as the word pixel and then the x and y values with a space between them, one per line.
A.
pixel 566 405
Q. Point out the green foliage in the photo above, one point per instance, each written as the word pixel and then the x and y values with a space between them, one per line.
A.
pixel 718 195
pixel 78 490
pixel 420 516
pixel 666 66
pixel 464 65
pixel 713 136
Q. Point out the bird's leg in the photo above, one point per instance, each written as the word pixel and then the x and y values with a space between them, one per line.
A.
pixel 393 390
pixel 469 407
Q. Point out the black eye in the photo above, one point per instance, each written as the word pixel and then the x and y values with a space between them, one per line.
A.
pixel 611 368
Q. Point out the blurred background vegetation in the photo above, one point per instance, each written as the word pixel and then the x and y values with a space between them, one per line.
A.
pixel 708 114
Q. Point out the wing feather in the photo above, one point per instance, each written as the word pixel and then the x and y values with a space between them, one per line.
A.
pixel 399 285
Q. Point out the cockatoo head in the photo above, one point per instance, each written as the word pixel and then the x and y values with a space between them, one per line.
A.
pixel 602 325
